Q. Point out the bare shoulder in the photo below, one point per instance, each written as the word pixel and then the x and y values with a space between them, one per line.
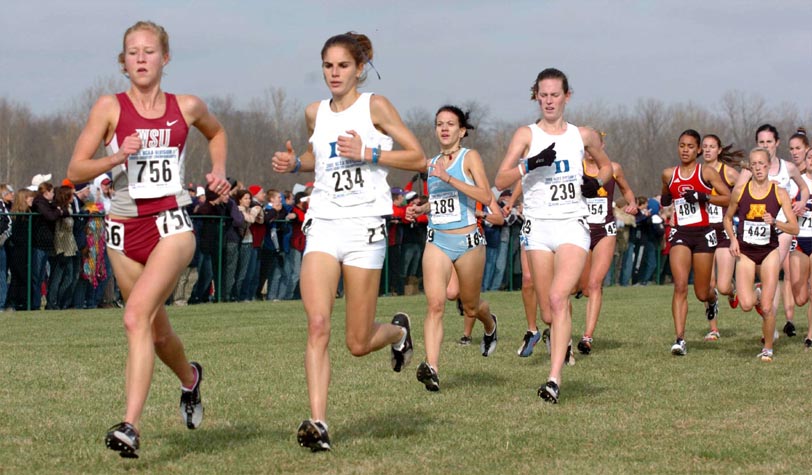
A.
pixel 106 105
pixel 588 135
pixel 310 112
pixel 191 106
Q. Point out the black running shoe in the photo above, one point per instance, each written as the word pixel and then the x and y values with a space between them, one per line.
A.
pixel 124 439
pixel 313 435
pixel 585 345
pixel 403 355
pixel 549 392
pixel 488 345
pixel 545 337
pixel 789 328
pixel 459 308
pixel 464 340
pixel 807 344
pixel 713 308
pixel 428 376
pixel 579 294
pixel 191 405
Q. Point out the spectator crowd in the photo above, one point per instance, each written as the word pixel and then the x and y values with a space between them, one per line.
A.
pixel 250 245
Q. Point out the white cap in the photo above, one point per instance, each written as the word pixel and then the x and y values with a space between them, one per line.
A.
pixel 38 180
pixel 200 191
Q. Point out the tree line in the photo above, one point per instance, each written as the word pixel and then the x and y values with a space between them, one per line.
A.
pixel 642 136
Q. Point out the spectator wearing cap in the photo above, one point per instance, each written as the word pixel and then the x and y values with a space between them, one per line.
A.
pixel 412 244
pixel 257 229
pixel 286 236
pixel 43 227
pixel 37 180
pixel 395 240
pixel 5 232
pixel 269 254
pixel 280 230
pixel 298 240
pixel 210 213
pixel 81 193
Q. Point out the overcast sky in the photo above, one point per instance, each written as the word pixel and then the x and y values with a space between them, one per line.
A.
pixel 427 52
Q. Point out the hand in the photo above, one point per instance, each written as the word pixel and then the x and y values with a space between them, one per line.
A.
pixel 411 213
pixel 130 146
pixel 798 208
pixel 734 248
pixel 350 147
pixel 693 196
pixel 439 169
pixel 768 218
pixel 666 199
pixel 545 158
pixel 217 184
pixel 631 209
pixel 284 162
pixel 590 187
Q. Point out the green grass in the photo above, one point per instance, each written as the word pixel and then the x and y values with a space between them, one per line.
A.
pixel 630 407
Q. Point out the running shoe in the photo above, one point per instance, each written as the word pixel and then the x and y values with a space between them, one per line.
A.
pixel 712 335
pixel 191 405
pixel 545 337
pixel 402 354
pixel 733 300
pixel 459 308
pixel 808 344
pixel 712 311
pixel 464 340
pixel 789 328
pixel 124 439
pixel 313 435
pixel 765 355
pixel 428 376
pixel 585 345
pixel 528 343
pixel 579 294
pixel 569 359
pixel 679 348
pixel 488 345
pixel 549 392
pixel 758 300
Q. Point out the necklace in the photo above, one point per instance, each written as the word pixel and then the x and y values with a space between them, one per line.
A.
pixel 450 153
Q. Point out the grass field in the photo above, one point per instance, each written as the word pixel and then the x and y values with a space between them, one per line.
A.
pixel 630 407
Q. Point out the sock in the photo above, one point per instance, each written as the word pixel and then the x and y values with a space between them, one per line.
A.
pixel 399 345
pixel 197 377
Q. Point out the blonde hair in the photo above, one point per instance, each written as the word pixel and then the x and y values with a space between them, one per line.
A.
pixel 160 32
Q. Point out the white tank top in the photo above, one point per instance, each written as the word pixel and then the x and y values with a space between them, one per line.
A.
pixel 783 179
pixel 554 192
pixel 346 188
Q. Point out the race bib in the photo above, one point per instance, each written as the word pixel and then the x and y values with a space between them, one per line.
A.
pixel 114 235
pixel 445 207
pixel 173 221
pixel 154 172
pixel 378 233
pixel 687 213
pixel 350 184
pixel 714 213
pixel 597 210
pixel 563 193
pixel 611 229
pixel 756 233
pixel 475 239
pixel 805 223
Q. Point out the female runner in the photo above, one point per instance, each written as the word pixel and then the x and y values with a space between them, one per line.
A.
pixel 723 161
pixel 690 186
pixel 603 236
pixel 555 233
pixel 350 151
pixel 456 182
pixel 149 234
pixel 788 177
pixel 757 203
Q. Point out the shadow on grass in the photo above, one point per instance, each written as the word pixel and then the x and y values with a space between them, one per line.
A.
pixel 214 440
pixel 384 425
pixel 478 378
